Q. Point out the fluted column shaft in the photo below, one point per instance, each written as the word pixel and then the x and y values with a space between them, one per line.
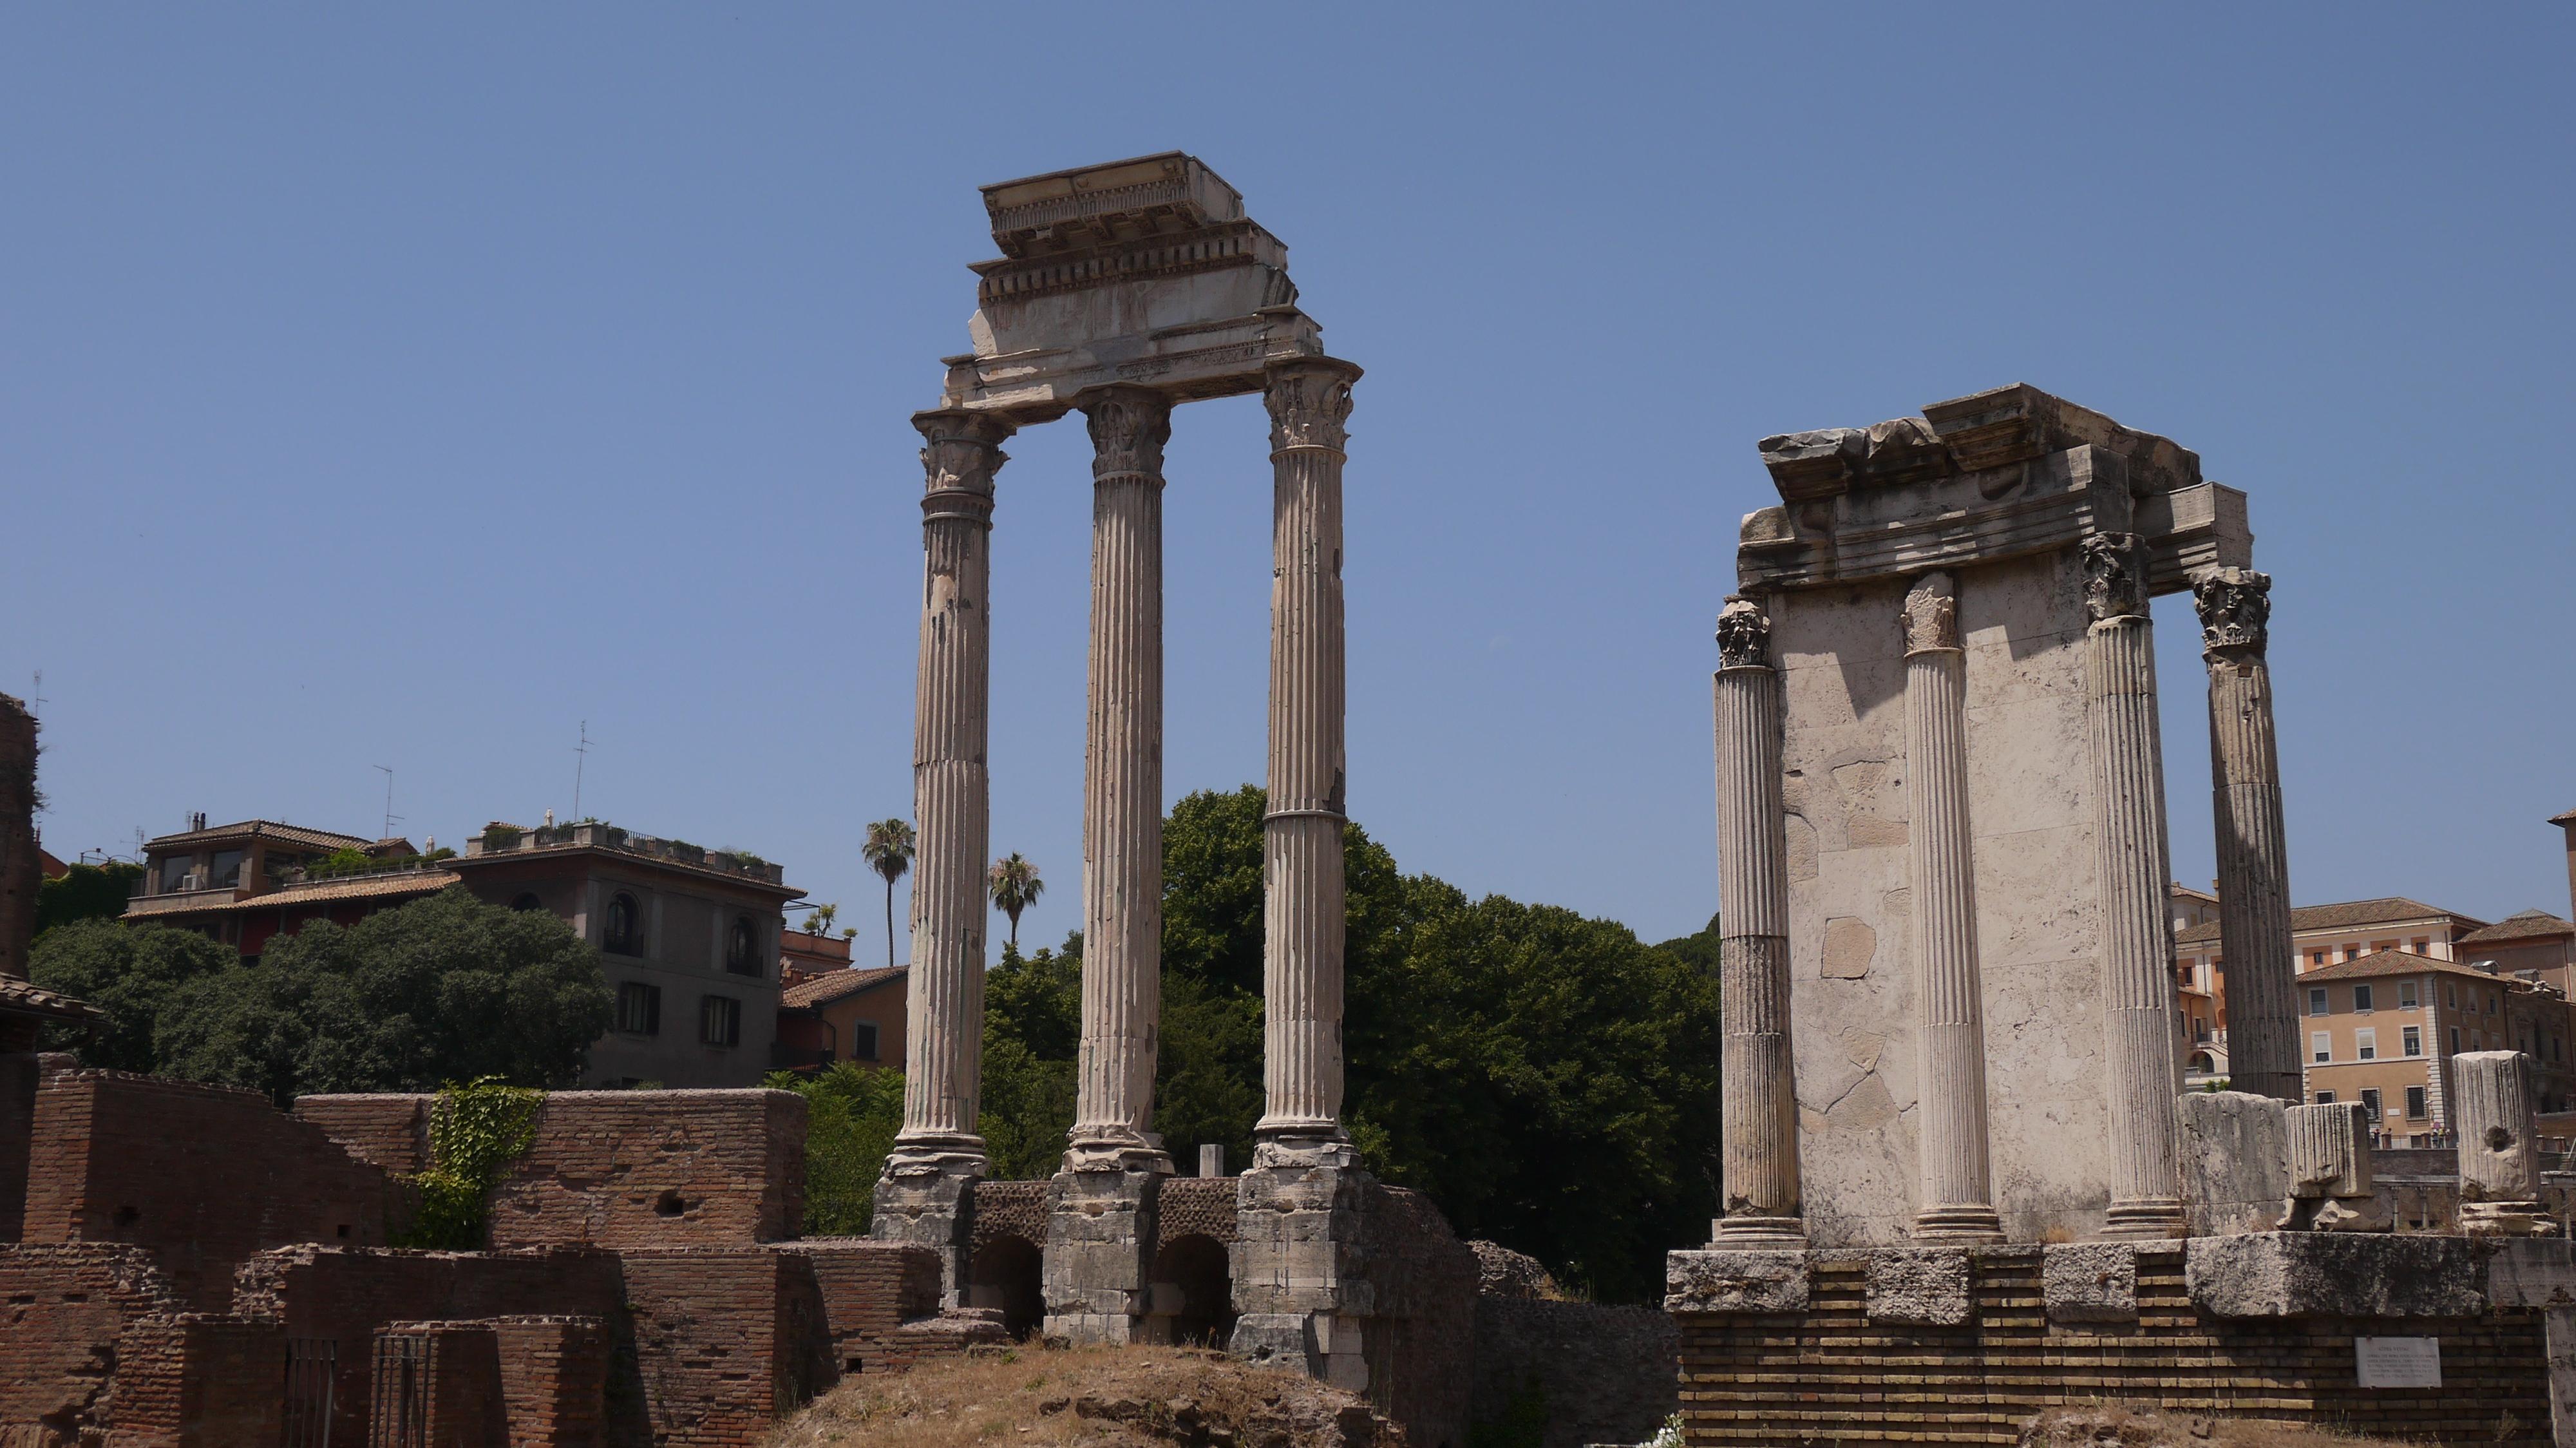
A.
pixel 1303 914
pixel 951 798
pixel 2136 925
pixel 2492 1108
pixel 1122 796
pixel 1758 1100
pixel 1958 1193
pixel 2253 846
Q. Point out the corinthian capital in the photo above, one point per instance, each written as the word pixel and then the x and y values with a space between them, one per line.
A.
pixel 1129 426
pixel 2115 576
pixel 1932 615
pixel 1743 635
pixel 2235 607
pixel 962 450
pixel 1309 401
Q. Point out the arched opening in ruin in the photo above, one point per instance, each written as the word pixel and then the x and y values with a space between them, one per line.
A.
pixel 1005 1275
pixel 1194 1268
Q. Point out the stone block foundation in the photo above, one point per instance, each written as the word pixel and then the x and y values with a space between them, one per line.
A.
pixel 2050 1327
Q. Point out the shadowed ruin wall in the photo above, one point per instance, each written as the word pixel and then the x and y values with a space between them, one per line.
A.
pixel 62 1309
pixel 1841 653
pixel 1606 1374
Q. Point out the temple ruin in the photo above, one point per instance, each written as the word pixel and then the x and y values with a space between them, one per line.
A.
pixel 1961 1183
pixel 1123 290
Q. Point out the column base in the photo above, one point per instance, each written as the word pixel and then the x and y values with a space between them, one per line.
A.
pixel 2146 1217
pixel 1786 1234
pixel 1115 1149
pixel 1303 1145
pixel 1958 1225
pixel 2506 1219
pixel 937 1154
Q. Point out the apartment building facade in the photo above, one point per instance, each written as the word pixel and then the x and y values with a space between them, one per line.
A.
pixel 2381 1028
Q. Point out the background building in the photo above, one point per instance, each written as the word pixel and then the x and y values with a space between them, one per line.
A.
pixel 843 1015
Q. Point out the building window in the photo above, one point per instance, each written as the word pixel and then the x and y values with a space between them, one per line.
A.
pixel 742 948
pixel 2491 1000
pixel 2423 945
pixel 2316 958
pixel 2415 1108
pixel 639 1008
pixel 2321 1048
pixel 2316 1000
pixel 624 934
pixel 863 1040
pixel 2199 1028
pixel 2455 1040
pixel 2325 1098
pixel 2414 1040
pixel 2406 995
pixel 2366 1044
pixel 528 902
pixel 719 1021
pixel 227 870
pixel 2361 998
pixel 2370 1101
pixel 2451 996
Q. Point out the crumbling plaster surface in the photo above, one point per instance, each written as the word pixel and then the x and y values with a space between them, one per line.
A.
pixel 1841 654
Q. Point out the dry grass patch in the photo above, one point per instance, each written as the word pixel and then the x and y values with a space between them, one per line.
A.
pixel 1097 1397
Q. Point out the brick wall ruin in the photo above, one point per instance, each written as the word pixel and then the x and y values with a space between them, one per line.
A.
pixel 20 875
pixel 203 1176
pixel 616 1169
pixel 62 1310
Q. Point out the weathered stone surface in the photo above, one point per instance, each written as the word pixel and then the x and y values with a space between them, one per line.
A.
pixel 1735 1281
pixel 2493 1111
pixel 1502 1272
pixel 1100 1236
pixel 2090 1281
pixel 2329 1149
pixel 1919 1286
pixel 2532 1273
pixel 2373 1213
pixel 2235 1161
pixel 2336 1274
pixel 2561 1341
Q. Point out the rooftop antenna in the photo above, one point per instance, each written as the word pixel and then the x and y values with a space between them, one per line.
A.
pixel 390 816
pixel 581 758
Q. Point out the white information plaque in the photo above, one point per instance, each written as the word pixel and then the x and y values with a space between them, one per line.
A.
pixel 2397 1362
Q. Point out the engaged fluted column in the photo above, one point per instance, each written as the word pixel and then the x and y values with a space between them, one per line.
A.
pixel 2136 927
pixel 1758 1088
pixel 2253 848
pixel 1301 838
pixel 1958 1195
pixel 1122 794
pixel 951 798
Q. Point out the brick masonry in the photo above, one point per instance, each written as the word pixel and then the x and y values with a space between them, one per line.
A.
pixel 198 1380
pixel 62 1311
pixel 203 1176
pixel 1195 1206
pixel 1830 1374
pixel 616 1169
pixel 1011 1209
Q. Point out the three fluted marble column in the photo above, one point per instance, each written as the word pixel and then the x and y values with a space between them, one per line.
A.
pixel 951 799
pixel 2235 606
pixel 1122 796
pixel 1302 898
pixel 1958 1194
pixel 1758 1089
pixel 2136 923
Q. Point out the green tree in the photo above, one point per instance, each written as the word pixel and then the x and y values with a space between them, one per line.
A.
pixel 820 922
pixel 1699 949
pixel 131 972
pixel 443 989
pixel 1015 886
pixel 852 1113
pixel 86 892
pixel 889 851
pixel 1032 1042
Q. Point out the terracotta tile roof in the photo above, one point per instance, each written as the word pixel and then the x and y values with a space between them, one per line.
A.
pixel 266 830
pixel 24 998
pixel 2179 888
pixel 2347 915
pixel 2529 925
pixel 321 892
pixel 2397 962
pixel 2564 818
pixel 835 985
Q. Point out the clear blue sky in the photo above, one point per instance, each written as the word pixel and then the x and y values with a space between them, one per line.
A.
pixel 403 385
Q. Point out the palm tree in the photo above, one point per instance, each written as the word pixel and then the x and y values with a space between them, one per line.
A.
pixel 1015 886
pixel 889 852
